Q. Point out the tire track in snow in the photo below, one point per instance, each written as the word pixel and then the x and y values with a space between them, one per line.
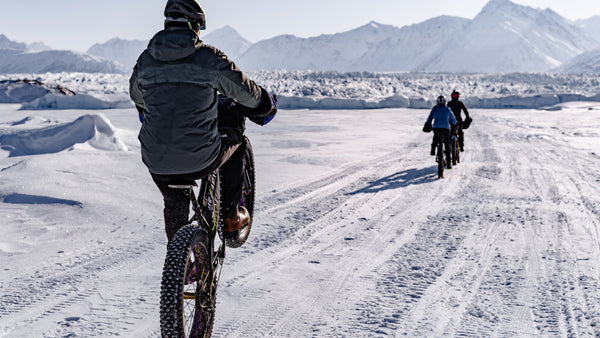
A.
pixel 331 225
pixel 54 288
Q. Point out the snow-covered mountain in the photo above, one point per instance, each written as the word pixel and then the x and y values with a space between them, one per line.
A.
pixel 590 26
pixel 38 47
pixel 15 57
pixel 124 52
pixel 55 61
pixel 503 37
pixel 507 37
pixel 228 40
pixel 406 48
pixel 586 63
pixel 7 44
pixel 339 51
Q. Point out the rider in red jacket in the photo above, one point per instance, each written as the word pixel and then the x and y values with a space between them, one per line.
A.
pixel 457 106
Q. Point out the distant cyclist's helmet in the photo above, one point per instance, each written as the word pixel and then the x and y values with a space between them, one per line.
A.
pixel 455 94
pixel 441 99
pixel 188 9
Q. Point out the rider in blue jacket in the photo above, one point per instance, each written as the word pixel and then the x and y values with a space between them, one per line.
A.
pixel 443 120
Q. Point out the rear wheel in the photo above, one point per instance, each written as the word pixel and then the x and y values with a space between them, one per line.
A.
pixel 239 237
pixel 455 150
pixel 188 288
pixel 440 160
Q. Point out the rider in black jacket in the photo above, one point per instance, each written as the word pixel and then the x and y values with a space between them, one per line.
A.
pixel 457 106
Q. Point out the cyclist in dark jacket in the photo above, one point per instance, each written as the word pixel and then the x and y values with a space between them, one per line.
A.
pixel 443 120
pixel 174 86
pixel 457 106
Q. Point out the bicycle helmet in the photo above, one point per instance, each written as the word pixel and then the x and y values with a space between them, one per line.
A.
pixel 187 9
pixel 455 94
pixel 441 99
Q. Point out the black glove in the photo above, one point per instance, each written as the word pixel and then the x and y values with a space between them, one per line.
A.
pixel 267 110
pixel 427 127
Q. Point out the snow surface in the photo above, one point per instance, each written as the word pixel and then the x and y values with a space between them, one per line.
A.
pixel 353 233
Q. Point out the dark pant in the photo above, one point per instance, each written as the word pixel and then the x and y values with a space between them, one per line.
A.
pixel 231 161
pixel 443 136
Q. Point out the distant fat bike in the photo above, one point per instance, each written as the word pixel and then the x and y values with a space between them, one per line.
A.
pixel 454 149
pixel 440 158
pixel 195 258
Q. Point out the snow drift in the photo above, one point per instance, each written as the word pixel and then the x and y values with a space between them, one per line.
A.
pixel 81 101
pixel 93 130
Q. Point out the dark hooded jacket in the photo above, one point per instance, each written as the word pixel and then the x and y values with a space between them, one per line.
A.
pixel 175 83
pixel 457 106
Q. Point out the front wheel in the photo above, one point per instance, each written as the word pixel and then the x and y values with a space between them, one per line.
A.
pixel 188 288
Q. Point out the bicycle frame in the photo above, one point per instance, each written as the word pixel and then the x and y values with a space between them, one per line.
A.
pixel 218 256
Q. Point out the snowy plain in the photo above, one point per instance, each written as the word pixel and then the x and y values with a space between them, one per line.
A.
pixel 353 234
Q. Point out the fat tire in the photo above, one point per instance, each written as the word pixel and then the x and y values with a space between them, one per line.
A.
pixel 455 149
pixel 173 312
pixel 440 158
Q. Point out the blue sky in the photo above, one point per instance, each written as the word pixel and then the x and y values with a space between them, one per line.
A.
pixel 78 24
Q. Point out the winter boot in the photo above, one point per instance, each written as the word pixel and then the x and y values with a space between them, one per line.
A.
pixel 234 222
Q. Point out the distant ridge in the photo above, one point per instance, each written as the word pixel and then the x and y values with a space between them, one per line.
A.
pixel 504 37
pixel 125 52
pixel 15 57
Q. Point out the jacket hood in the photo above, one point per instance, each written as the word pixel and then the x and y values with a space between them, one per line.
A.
pixel 173 44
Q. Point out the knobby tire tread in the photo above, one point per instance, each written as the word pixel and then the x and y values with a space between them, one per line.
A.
pixel 172 286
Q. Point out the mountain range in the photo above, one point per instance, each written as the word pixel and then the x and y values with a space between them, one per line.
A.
pixel 16 57
pixel 504 37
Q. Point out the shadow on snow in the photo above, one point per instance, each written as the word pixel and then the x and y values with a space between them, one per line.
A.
pixel 34 199
pixel 400 180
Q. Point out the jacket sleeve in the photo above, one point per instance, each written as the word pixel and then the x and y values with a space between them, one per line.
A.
pixel 135 92
pixel 430 118
pixel 235 84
